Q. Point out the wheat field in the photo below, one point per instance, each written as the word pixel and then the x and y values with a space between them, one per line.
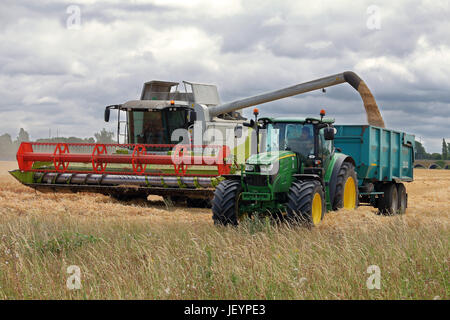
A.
pixel 147 250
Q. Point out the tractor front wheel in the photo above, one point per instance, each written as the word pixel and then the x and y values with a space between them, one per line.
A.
pixel 306 203
pixel 225 204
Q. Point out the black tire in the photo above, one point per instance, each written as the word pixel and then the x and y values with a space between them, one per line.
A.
pixel 300 202
pixel 346 171
pixel 388 204
pixel 225 202
pixel 402 198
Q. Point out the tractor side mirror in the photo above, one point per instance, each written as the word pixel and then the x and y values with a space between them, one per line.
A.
pixel 107 114
pixel 328 133
pixel 250 124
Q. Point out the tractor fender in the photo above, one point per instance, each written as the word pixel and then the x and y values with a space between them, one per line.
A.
pixel 304 176
pixel 341 158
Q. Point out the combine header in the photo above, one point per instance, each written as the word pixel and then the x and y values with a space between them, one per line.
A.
pixel 122 170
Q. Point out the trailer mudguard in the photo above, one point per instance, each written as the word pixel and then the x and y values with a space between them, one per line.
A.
pixel 332 173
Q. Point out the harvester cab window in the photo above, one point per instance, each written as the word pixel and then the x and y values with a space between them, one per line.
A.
pixel 156 127
pixel 176 119
pixel 147 127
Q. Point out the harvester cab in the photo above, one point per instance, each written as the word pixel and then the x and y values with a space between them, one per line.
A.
pixel 161 110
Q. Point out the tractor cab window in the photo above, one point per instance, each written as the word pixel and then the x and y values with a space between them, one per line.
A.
pixel 296 137
pixel 325 146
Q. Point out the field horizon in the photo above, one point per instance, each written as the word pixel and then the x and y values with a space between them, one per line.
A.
pixel 149 250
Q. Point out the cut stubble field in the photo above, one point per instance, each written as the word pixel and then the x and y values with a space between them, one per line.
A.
pixel 147 250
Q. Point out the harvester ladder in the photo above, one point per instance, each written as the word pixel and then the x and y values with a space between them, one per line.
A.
pixel 125 131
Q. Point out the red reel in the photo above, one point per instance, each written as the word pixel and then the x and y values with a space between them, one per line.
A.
pixel 179 165
pixel 98 166
pixel 60 164
pixel 138 151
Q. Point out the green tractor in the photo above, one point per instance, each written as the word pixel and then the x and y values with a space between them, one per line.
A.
pixel 297 177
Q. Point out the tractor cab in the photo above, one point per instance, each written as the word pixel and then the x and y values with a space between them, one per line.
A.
pixel 310 139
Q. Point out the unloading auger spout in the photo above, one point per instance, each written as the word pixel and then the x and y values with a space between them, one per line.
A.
pixel 373 113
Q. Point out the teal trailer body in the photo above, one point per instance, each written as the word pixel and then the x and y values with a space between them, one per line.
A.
pixel 381 155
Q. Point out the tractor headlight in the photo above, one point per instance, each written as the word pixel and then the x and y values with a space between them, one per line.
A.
pixel 266 168
pixel 249 167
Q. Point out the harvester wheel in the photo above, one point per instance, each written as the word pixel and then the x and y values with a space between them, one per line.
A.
pixel 306 203
pixel 225 204
pixel 402 198
pixel 346 191
pixel 388 204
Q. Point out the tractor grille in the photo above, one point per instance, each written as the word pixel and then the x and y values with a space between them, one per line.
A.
pixel 259 181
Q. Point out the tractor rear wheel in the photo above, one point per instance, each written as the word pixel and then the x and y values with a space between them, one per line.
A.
pixel 388 204
pixel 346 191
pixel 306 203
pixel 402 198
pixel 225 204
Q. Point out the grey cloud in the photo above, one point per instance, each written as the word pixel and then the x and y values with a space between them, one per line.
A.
pixel 265 46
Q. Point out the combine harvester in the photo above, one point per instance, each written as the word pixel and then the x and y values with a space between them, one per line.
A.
pixel 150 163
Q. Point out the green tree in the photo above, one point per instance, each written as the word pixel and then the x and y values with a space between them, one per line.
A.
pixel 421 153
pixel 444 150
pixel 7 147
pixel 104 136
pixel 67 140
pixel 23 136
pixel 436 156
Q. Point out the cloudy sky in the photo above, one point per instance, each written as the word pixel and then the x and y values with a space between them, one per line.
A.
pixel 58 71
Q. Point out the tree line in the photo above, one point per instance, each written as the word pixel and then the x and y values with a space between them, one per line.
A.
pixel 422 154
pixel 9 146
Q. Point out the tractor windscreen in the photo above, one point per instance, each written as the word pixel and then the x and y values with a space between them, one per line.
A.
pixel 155 127
pixel 296 137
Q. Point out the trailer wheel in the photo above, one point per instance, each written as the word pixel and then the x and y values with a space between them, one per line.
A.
pixel 402 198
pixel 346 194
pixel 306 203
pixel 225 204
pixel 388 204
